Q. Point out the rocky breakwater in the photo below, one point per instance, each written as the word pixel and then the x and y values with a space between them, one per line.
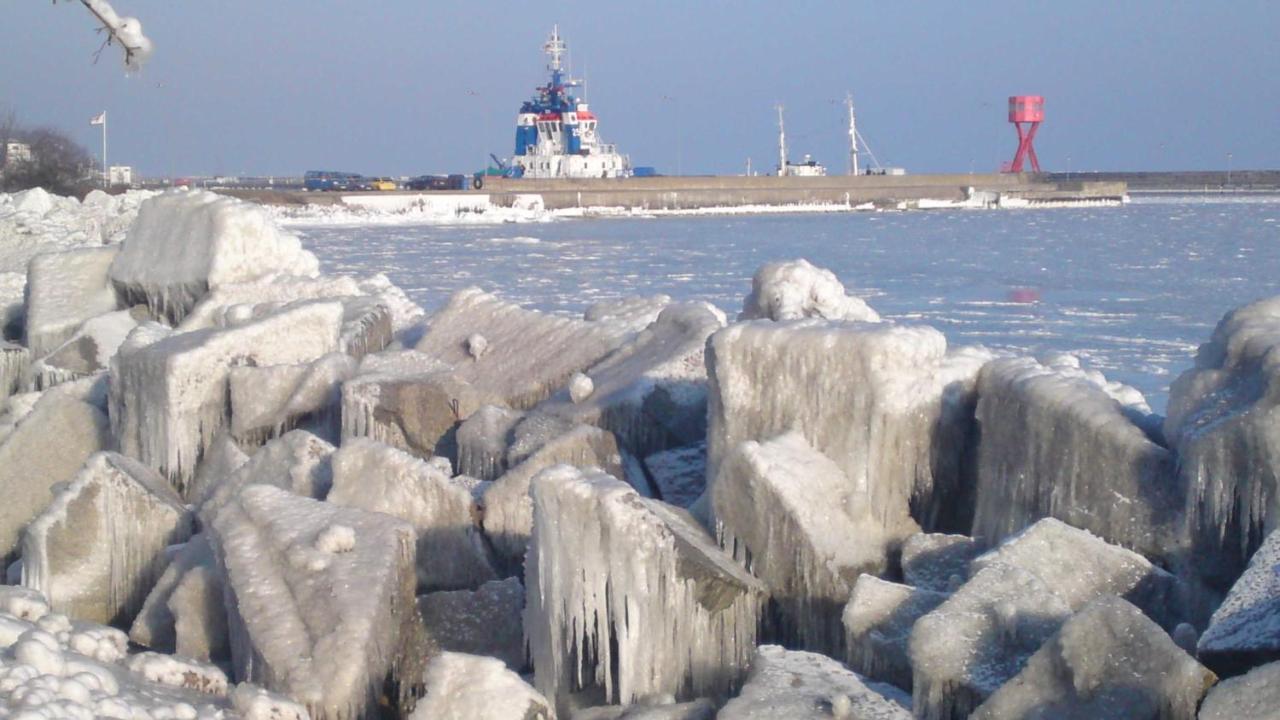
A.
pixel 279 494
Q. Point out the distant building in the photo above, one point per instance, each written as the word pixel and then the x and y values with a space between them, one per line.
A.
pixel 120 175
pixel 16 153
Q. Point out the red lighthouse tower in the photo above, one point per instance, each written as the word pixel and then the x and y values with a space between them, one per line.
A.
pixel 1027 109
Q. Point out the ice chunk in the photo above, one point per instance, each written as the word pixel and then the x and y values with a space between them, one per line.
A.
pixel 807 686
pixel 658 709
pixel 1055 444
pixel 452 552
pixel 329 630
pixel 878 622
pixel 23 603
pixel 787 513
pixel 179 672
pixel 404 312
pixel 508 508
pixel 169 392
pixel 485 621
pixel 1078 567
pixel 255 703
pixel 680 474
pixel 417 413
pixel 530 355
pixel 1107 661
pixel 978 638
pixel 64 289
pixel 470 687
pixel 268 401
pixel 1252 696
pixel 797 289
pixel 1222 420
pixel 868 396
pixel 222 304
pixel 47 447
pixel 185 243
pixel 938 562
pixel 88 351
pixel 296 461
pixel 630 596
pixel 651 392
pixel 366 326
pixel 637 312
pixel 98 548
pixel 184 612
pixel 1245 629
pixel 483 440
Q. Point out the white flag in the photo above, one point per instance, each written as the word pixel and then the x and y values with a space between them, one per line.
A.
pixel 99 119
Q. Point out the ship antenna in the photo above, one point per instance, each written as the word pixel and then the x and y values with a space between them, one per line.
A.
pixel 555 48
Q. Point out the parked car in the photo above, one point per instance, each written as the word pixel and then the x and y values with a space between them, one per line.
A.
pixel 436 182
pixel 325 180
pixel 384 184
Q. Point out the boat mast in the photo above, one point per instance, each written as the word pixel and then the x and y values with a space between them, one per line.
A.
pixel 782 144
pixel 853 136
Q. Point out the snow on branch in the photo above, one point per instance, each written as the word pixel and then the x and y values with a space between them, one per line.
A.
pixel 125 31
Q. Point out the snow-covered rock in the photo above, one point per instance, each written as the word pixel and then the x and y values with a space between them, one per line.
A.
pixel 797 289
pixel 470 687
pixel 787 513
pixel 508 507
pixel 184 243
pixel 451 550
pixel 1252 696
pixel 14 360
pixel 679 474
pixel 64 289
pixel 169 390
pixel 1245 629
pixel 296 461
pixel 642 584
pixel 934 561
pixel 47 447
pixel 529 354
pixel 807 686
pixel 229 303
pixel 418 412
pixel 483 439
pixel 877 624
pixel 185 612
pixel 1107 661
pixel 268 401
pixel 638 312
pixel 652 391
pixel 1222 421
pixel 367 326
pixel 1055 443
pixel 328 624
pixel 98 548
pixel 88 351
pixel 485 621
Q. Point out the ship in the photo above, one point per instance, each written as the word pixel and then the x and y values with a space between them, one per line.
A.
pixel 557 134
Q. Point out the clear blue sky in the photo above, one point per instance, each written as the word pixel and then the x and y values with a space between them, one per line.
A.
pixel 411 86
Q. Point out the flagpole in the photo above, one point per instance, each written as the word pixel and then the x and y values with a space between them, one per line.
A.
pixel 106 175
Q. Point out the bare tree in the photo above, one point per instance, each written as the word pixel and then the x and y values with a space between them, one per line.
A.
pixel 58 164
pixel 123 31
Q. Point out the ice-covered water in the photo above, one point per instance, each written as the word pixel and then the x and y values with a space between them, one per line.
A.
pixel 1132 290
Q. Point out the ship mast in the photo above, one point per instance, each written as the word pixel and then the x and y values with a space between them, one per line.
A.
pixel 782 144
pixel 555 48
pixel 853 136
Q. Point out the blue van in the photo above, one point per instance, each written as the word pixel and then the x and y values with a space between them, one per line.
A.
pixel 321 180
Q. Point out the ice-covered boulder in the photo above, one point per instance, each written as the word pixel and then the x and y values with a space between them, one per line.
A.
pixel 1079 567
pixel 169 391
pixel 877 624
pixel 807 686
pixel 639 312
pixel 664 610
pixel 1107 661
pixel 485 621
pixel 88 351
pixel 222 458
pixel 1056 443
pixel 483 439
pixel 232 303
pixel 268 401
pixel 47 447
pixel 64 289
pixel 451 550
pixel 652 391
pixel 508 507
pixel 786 512
pixel 981 636
pixel 14 360
pixel 321 601
pixel 185 243
pixel 679 474
pixel 528 355
pixel 97 549
pixel 658 708
pixel 471 687
pixel 185 612
pixel 797 289
pixel 296 461
pixel 1245 629
pixel 874 398
pixel 414 408
pixel 1252 696
pixel 934 561
pixel 1222 421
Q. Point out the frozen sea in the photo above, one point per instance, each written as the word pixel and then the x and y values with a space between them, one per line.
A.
pixel 1132 290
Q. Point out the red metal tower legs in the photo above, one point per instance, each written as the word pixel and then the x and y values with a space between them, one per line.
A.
pixel 1026 148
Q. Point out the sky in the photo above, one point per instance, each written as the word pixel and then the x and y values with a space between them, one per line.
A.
pixel 404 87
